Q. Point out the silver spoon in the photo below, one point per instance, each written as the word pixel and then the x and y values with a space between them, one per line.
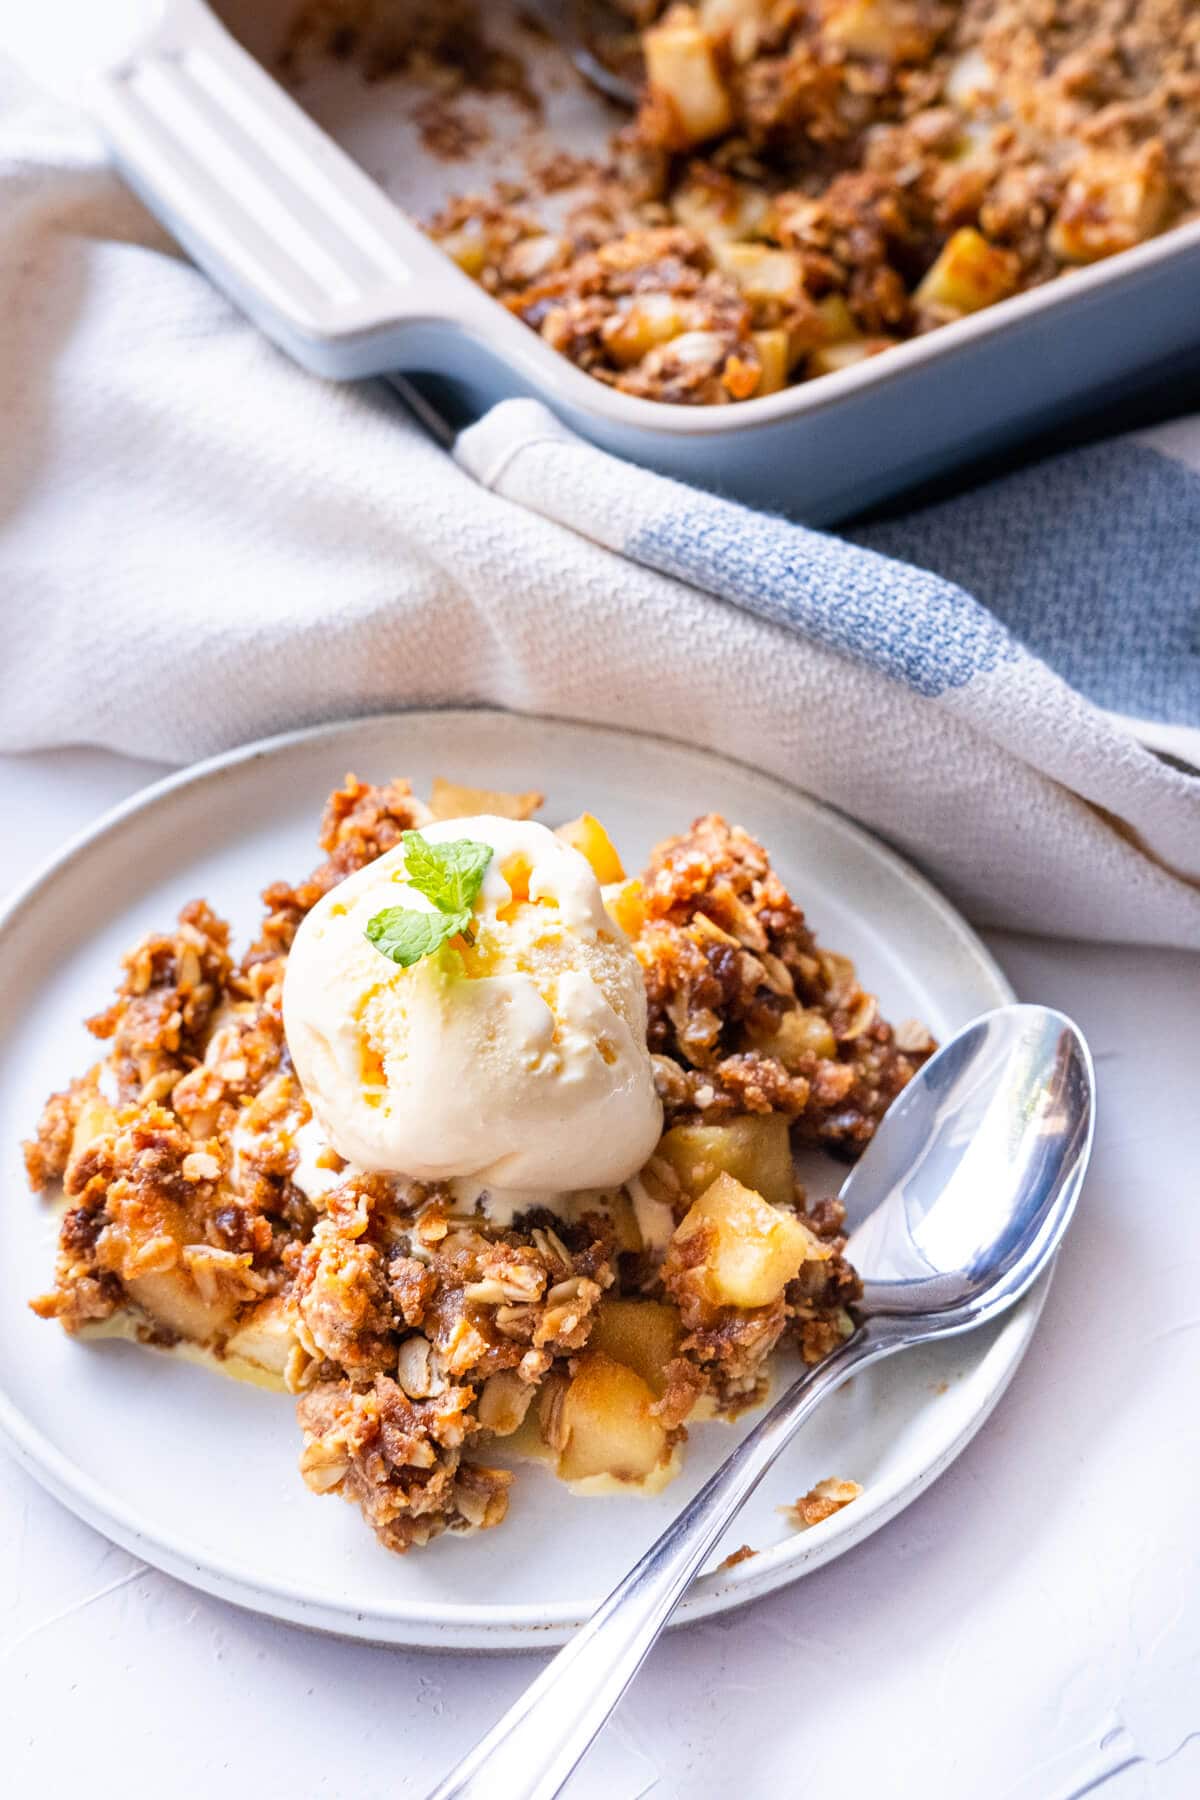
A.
pixel 957 1207
pixel 587 30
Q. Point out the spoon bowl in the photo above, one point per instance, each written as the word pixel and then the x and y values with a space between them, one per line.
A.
pixel 600 40
pixel 957 1206
pixel 972 1178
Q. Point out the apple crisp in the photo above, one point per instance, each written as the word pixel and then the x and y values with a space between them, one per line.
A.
pixel 809 182
pixel 203 1211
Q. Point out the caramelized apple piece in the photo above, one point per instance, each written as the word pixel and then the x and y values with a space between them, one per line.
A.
pixel 94 1118
pixel 641 325
pixel 754 1148
pixel 774 353
pixel 450 801
pixel 503 1402
pixel 752 1249
pixel 719 208
pixel 764 274
pixel 830 359
pixel 890 30
pixel 837 321
pixel 970 273
pixel 802 1033
pixel 172 1299
pixel 683 77
pixel 587 835
pixel 1112 201
pixel 626 904
pixel 642 1334
pixel 266 1338
pixel 609 1425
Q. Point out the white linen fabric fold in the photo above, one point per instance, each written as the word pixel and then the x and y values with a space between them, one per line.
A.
pixel 200 544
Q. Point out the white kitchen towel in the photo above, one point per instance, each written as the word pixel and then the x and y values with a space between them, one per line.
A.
pixel 200 544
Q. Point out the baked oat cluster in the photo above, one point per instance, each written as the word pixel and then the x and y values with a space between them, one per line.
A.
pixel 202 1210
pixel 809 182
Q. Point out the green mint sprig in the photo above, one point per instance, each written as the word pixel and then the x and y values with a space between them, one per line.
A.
pixel 450 875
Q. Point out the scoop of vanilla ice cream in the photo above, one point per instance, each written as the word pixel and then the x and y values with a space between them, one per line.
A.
pixel 519 1061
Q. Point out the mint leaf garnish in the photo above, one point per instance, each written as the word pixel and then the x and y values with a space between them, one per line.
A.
pixel 450 875
pixel 406 936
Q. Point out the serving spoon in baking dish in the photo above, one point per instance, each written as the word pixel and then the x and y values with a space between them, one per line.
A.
pixel 956 1208
pixel 599 39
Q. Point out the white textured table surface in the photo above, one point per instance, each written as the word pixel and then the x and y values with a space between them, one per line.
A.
pixel 1029 1628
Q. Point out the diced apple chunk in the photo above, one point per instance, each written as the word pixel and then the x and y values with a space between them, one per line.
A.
pixel 504 1401
pixel 754 1249
pixel 719 208
pixel 587 835
pixel 625 902
pixel 829 359
pixel 646 322
pixel 763 274
pixel 755 1149
pixel 800 1034
pixel 448 800
pixel 969 273
pixel 774 353
pixel 609 1424
pixel 533 258
pixel 469 249
pixel 171 1298
pixel 1111 203
pixel 94 1118
pixel 682 76
pixel 837 321
pixel 642 1334
pixel 266 1339
pixel 888 29
pixel 817 324
pixel 738 23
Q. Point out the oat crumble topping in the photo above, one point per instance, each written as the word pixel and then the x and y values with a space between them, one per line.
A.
pixel 821 1502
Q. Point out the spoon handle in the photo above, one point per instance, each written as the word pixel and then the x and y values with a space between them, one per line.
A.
pixel 531 1751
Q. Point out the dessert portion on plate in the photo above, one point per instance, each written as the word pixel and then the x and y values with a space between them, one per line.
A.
pixel 809 182
pixel 478 1141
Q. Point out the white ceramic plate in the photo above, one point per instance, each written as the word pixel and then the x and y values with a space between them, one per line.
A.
pixel 197 1474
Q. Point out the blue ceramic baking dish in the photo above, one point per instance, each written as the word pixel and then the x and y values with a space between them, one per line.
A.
pixel 318 255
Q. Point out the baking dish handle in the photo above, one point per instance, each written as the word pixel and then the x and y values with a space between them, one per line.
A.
pixel 280 218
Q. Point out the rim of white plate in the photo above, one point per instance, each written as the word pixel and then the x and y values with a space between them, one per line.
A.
pixel 506 1626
